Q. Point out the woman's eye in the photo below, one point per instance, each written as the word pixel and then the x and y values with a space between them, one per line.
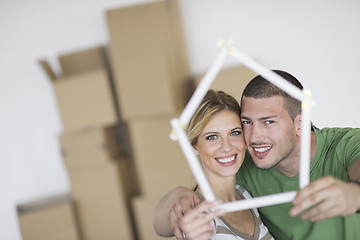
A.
pixel 211 137
pixel 234 133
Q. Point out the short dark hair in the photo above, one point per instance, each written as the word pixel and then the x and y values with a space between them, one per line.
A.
pixel 259 87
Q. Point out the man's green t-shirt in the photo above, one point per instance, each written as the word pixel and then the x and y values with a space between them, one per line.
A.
pixel 336 150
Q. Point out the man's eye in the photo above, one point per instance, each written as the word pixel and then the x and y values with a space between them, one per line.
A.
pixel 269 122
pixel 246 122
pixel 211 137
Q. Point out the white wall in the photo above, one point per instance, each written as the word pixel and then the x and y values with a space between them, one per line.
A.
pixel 317 41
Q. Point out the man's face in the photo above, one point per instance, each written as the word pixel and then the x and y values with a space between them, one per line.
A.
pixel 269 132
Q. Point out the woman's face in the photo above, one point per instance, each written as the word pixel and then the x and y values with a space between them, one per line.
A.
pixel 221 144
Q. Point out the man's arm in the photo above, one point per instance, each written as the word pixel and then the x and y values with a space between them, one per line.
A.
pixel 329 196
pixel 171 208
pixel 354 172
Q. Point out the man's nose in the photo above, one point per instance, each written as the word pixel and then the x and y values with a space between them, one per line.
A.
pixel 257 133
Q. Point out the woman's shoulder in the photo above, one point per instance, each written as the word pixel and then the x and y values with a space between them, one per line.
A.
pixel 243 192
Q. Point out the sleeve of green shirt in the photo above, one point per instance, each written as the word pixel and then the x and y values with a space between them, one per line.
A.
pixel 349 147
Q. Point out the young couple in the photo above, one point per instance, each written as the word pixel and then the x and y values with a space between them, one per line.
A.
pixel 269 125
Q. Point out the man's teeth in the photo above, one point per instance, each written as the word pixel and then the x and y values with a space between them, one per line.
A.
pixel 261 149
pixel 226 160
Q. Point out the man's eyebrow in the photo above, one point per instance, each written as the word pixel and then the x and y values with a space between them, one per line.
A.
pixel 267 117
pixel 262 118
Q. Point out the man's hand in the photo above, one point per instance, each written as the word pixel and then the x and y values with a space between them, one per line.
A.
pixel 326 197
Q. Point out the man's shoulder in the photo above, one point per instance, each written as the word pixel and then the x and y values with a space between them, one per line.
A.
pixel 335 130
pixel 335 133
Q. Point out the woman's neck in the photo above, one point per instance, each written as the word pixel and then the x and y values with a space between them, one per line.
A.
pixel 223 188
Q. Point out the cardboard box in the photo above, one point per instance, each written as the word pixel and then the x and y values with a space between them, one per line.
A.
pixel 144 211
pixel 48 69
pixel 84 91
pixel 159 161
pixel 100 201
pixel 231 80
pixel 97 145
pixel 85 101
pixel 48 219
pixel 83 61
pixel 148 58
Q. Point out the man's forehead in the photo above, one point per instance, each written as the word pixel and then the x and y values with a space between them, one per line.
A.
pixel 261 107
pixel 260 102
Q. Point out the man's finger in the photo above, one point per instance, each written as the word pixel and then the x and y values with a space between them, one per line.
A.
pixel 312 195
pixel 325 209
pixel 312 188
pixel 310 202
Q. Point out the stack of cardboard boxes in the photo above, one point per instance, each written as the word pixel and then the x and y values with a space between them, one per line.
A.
pixel 91 145
pixel 116 116
pixel 116 183
pixel 48 219
pixel 151 78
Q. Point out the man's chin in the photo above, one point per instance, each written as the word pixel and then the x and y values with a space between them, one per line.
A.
pixel 262 164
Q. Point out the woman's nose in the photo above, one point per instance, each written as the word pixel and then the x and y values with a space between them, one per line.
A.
pixel 225 145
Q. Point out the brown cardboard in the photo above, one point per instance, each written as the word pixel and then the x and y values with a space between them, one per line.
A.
pixel 159 161
pixel 48 219
pixel 129 178
pixel 83 61
pixel 92 148
pixel 231 80
pixel 101 204
pixel 85 101
pixel 144 212
pixel 48 70
pixel 97 145
pixel 148 58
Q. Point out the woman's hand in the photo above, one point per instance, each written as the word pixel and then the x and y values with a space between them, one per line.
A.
pixel 197 223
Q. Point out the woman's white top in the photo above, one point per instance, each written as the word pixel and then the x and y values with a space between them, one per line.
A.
pixel 224 231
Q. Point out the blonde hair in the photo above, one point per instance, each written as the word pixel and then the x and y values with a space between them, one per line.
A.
pixel 213 102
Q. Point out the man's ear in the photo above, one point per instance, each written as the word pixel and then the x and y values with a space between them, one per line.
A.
pixel 297 122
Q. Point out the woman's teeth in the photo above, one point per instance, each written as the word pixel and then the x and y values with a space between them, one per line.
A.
pixel 226 160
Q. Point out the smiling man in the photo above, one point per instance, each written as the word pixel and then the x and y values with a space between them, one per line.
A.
pixel 272 125
pixel 326 208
